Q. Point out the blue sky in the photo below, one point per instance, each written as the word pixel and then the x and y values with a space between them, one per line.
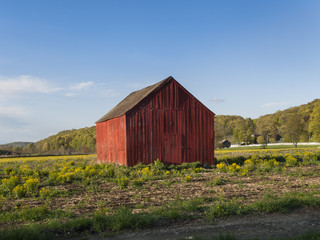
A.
pixel 64 64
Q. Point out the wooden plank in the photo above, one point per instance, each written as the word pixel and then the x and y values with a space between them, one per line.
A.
pixel 180 129
pixel 111 141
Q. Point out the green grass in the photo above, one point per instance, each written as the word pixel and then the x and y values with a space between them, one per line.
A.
pixel 248 147
pixel 218 181
pixel 23 233
pixel 34 214
pixel 270 203
pixel 179 209
pixel 124 219
pixel 70 178
pixel 286 202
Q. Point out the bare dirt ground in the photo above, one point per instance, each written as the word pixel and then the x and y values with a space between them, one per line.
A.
pixel 88 199
pixel 266 226
pixel 158 192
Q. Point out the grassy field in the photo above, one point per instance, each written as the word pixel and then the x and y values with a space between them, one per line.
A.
pixel 271 146
pixel 54 197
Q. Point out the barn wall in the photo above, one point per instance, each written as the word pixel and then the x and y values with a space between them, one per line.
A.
pixel 111 141
pixel 170 125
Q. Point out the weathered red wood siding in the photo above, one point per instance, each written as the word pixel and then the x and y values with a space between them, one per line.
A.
pixel 170 125
pixel 111 141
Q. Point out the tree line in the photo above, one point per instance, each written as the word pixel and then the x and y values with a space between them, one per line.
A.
pixel 75 141
pixel 296 124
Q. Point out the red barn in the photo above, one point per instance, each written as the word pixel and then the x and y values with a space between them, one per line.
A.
pixel 163 121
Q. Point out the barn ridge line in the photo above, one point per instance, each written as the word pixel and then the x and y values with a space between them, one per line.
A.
pixel 136 97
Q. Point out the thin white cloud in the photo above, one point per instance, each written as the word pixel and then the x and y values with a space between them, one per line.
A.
pixel 24 84
pixel 82 85
pixel 217 100
pixel 13 112
pixel 275 104
pixel 70 94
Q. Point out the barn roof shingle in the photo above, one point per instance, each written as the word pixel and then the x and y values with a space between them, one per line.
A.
pixel 132 100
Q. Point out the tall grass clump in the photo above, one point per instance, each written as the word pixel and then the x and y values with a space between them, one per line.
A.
pixel 283 203
pixel 121 219
pixel 227 208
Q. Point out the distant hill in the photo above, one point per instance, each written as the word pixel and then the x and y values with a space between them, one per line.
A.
pixel 279 126
pixel 73 141
pixel 295 124
pixel 15 144
pixel 268 128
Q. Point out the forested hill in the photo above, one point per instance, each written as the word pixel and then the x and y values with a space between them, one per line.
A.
pixel 73 141
pixel 15 144
pixel 294 124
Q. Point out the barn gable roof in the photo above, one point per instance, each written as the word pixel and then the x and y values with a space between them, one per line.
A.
pixel 132 100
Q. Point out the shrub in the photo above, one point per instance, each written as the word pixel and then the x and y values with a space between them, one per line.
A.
pixel 157 166
pixel 32 186
pixel 249 165
pixel 109 171
pixel 52 179
pixel 222 167
pixel 45 193
pixel 227 208
pixel 1 202
pixel 218 181
pixel 8 170
pixel 145 173
pixel 90 171
pixel 8 184
pixel 19 191
pixel 234 168
pixel 198 170
pixel 291 161
pixel 26 171
pixel 138 182
pixel 68 177
pixel 122 182
pixel 188 178
pixel 269 165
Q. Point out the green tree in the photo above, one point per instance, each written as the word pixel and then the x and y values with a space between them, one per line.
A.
pixel 243 130
pixel 17 150
pixel 261 140
pixel 267 127
pixel 293 128
pixel 30 148
pixel 314 125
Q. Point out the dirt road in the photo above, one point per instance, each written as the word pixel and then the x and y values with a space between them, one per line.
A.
pixel 248 227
